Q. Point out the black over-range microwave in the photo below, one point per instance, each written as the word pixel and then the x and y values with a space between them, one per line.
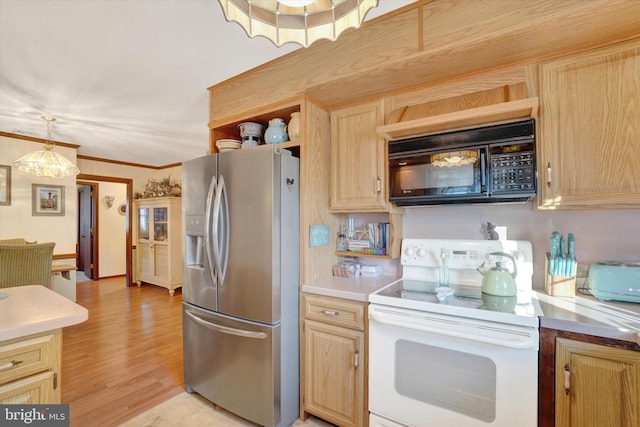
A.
pixel 491 164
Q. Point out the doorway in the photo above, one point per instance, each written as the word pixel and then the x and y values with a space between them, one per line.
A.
pixel 87 253
pixel 91 208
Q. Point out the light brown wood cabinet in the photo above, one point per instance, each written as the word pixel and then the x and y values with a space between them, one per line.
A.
pixel 335 360
pixel 596 385
pixel 159 245
pixel 30 369
pixel 359 180
pixel 589 131
pixel 358 160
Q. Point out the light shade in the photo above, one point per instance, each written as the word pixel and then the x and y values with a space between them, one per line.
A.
pixel 454 158
pixel 46 163
pixel 304 24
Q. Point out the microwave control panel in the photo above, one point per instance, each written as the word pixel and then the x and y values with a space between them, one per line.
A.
pixel 513 172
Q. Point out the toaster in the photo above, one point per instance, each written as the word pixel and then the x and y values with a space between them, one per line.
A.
pixel 619 281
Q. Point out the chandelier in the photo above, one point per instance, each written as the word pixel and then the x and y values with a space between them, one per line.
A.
pixel 46 163
pixel 297 21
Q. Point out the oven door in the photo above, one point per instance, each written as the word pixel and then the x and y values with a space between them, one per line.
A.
pixel 429 369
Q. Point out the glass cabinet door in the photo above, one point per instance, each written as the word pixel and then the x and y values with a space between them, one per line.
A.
pixel 143 223
pixel 160 225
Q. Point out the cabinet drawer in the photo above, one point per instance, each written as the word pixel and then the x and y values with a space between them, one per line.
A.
pixel 350 314
pixel 20 358
pixel 34 390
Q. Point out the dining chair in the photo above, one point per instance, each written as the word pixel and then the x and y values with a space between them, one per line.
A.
pixel 14 241
pixel 23 264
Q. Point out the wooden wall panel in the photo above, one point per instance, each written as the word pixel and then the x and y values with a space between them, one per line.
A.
pixel 316 262
pixel 455 43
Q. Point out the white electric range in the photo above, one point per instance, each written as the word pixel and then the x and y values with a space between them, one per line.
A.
pixel 442 352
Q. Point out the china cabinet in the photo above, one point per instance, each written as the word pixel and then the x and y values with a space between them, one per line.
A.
pixel 589 132
pixel 335 363
pixel 159 244
pixel 30 369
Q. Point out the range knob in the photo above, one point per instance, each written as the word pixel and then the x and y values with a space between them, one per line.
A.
pixel 422 252
pixel 410 251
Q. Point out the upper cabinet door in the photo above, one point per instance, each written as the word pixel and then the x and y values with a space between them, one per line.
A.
pixel 358 160
pixel 589 129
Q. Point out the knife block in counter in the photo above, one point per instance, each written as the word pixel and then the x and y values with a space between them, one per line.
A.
pixel 558 286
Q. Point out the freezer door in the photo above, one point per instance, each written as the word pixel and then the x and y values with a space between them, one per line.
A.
pixel 251 286
pixel 233 363
pixel 199 184
pixel 196 178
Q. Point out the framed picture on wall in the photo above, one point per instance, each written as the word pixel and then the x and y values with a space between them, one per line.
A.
pixel 5 185
pixel 47 199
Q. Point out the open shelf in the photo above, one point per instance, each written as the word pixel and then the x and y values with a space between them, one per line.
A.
pixel 361 255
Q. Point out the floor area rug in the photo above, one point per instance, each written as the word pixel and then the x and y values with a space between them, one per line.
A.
pixel 193 410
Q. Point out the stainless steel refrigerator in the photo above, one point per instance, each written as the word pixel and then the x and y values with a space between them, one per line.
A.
pixel 240 288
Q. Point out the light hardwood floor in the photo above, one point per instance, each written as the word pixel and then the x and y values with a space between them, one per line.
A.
pixel 126 358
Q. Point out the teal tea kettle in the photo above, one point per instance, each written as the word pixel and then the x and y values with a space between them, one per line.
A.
pixel 498 280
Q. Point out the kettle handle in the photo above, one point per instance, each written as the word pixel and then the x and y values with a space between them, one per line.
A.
pixel 513 261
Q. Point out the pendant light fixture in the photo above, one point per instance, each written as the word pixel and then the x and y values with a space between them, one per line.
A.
pixel 297 21
pixel 46 163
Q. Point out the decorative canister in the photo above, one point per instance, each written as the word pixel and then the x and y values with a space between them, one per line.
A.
pixel 294 126
pixel 276 132
pixel 251 132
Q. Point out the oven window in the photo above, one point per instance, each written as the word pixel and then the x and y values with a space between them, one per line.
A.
pixel 461 382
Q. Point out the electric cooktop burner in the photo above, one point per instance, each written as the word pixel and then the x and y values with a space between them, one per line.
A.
pixel 467 301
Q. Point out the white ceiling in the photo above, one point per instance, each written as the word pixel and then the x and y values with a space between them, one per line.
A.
pixel 126 79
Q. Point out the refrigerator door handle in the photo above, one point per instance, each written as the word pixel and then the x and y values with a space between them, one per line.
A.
pixel 226 329
pixel 221 230
pixel 207 229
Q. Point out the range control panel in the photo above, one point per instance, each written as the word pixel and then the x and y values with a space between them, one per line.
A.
pixel 423 258
pixel 460 253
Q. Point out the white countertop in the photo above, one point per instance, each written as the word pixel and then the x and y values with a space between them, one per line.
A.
pixel 351 288
pixel 585 314
pixel 34 309
pixel 582 314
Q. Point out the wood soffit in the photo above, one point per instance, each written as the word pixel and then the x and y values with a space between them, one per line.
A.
pixel 521 36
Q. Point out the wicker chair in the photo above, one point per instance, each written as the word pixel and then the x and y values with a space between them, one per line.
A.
pixel 16 241
pixel 26 264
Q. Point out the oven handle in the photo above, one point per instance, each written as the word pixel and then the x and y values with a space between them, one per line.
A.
pixel 515 344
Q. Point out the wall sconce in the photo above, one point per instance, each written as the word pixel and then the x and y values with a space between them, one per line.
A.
pixel 108 200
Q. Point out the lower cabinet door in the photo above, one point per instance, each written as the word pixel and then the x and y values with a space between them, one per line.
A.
pixel 596 385
pixel 36 389
pixel 334 376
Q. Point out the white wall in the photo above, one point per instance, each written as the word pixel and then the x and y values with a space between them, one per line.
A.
pixel 112 231
pixel 601 235
pixel 17 220
pixel 139 175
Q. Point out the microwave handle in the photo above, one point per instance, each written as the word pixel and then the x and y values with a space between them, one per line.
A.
pixel 483 169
